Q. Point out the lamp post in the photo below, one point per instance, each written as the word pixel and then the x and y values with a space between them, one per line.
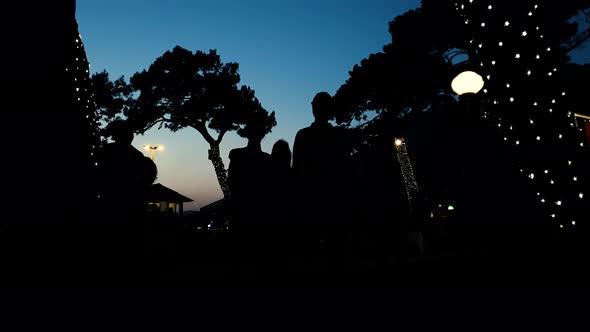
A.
pixel 466 85
pixel 153 148
pixel 466 151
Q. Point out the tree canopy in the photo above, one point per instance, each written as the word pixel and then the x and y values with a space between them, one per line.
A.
pixel 184 89
pixel 418 64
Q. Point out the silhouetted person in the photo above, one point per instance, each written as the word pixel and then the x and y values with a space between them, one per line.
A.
pixel 281 203
pixel 283 181
pixel 126 175
pixel 321 163
pixel 249 175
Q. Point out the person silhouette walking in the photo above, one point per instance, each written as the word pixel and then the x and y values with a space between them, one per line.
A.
pixel 126 175
pixel 249 176
pixel 321 164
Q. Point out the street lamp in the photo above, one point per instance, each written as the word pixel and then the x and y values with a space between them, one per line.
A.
pixel 153 148
pixel 467 82
pixel 466 85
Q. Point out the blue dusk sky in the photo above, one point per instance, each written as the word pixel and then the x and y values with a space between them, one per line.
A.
pixel 288 50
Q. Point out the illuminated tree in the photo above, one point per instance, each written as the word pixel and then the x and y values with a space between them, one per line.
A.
pixel 519 51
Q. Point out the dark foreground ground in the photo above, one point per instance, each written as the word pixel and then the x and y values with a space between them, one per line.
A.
pixel 216 259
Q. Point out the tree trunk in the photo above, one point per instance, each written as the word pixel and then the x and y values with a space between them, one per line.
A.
pixel 220 170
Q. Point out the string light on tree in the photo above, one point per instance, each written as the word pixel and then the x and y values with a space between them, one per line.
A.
pixel 77 72
pixel 407 171
pixel 535 100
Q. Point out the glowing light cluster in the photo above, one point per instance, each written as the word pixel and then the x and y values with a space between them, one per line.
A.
pixel 523 100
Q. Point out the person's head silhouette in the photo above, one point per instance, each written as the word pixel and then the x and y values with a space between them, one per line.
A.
pixel 281 153
pixel 322 107
pixel 121 132
pixel 253 131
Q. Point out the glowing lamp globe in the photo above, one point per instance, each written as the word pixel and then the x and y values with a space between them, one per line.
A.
pixel 467 82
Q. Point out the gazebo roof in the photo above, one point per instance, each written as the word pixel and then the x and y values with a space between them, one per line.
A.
pixel 159 192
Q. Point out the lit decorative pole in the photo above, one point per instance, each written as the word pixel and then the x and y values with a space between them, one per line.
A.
pixel 407 171
pixel 153 149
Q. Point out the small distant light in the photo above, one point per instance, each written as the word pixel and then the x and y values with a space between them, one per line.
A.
pixel 546 171
pixel 573 222
pixel 524 33
pixel 398 142
pixel 575 178
pixel 500 44
pixel 558 203
pixel 483 24
pixel 581 195
pixel 451 208
pixel 538 138
pixel 517 56
pixel 507 23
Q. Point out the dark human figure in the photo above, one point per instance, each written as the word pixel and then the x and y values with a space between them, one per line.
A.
pixel 126 175
pixel 249 175
pixel 321 163
pixel 282 182
pixel 285 233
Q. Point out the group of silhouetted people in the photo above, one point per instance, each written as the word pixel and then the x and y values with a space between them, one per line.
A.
pixel 286 203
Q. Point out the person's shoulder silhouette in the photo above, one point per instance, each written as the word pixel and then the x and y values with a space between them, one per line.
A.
pixel 320 148
pixel 124 167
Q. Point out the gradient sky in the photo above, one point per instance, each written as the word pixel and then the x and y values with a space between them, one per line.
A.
pixel 288 50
